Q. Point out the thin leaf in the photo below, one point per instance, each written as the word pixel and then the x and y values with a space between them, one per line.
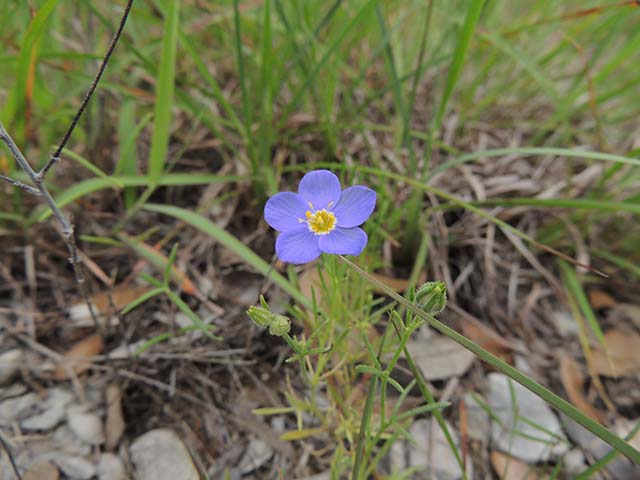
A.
pixel 164 93
pixel 233 244
pixel 455 69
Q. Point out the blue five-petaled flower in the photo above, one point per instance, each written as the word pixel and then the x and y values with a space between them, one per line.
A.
pixel 320 218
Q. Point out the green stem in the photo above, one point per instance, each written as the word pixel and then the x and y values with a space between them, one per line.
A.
pixel 548 396
pixel 426 393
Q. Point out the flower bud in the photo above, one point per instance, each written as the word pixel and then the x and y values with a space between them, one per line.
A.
pixel 279 325
pixel 432 297
pixel 260 315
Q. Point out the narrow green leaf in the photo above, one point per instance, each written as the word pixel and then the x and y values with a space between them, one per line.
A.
pixel 92 185
pixel 233 244
pixel 12 114
pixel 537 151
pixel 164 93
pixel 92 168
pixel 455 69
pixel 576 291
pixel 527 63
pixel 141 299
pixel 575 203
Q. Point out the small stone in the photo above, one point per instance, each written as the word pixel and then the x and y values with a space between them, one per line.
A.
pixel 160 455
pixel 565 323
pixel 66 441
pixel 75 467
pixel 17 408
pixel 440 358
pixel 524 427
pixel 13 390
pixel 574 462
pixel 433 453
pixel 46 420
pixel 59 397
pixel 87 427
pixel 110 467
pixel 257 454
pixel 52 411
pixel 278 424
pixel 42 471
pixel 10 363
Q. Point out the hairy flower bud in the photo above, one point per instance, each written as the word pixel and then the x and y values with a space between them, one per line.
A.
pixel 261 316
pixel 432 297
pixel 280 325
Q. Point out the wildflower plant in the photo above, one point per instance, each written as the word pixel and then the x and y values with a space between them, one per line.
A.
pixel 341 348
pixel 352 342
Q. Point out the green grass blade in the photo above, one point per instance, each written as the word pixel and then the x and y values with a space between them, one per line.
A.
pixel 331 49
pixel 455 69
pixel 576 291
pixel 527 63
pixel 92 185
pixel 575 203
pixel 218 94
pixel 164 93
pixel 364 426
pixel 560 152
pixel 141 299
pixel 12 114
pixel 92 168
pixel 233 244
pixel 393 72
pixel 242 79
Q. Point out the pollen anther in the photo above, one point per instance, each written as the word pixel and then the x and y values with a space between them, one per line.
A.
pixel 321 222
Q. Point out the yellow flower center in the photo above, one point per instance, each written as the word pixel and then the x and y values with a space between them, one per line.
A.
pixel 321 222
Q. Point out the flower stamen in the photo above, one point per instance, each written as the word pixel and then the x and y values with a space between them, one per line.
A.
pixel 321 222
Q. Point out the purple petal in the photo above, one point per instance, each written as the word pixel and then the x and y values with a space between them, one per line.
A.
pixel 320 187
pixel 297 246
pixel 344 241
pixel 283 210
pixel 355 206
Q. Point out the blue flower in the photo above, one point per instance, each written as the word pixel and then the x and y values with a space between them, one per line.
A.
pixel 320 218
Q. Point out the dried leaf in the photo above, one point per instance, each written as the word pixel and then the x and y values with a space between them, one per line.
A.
pixel 76 359
pixel 600 299
pixel 487 338
pixel 507 468
pixel 623 351
pixel 573 381
pixel 114 425
pixel 105 303
pixel 42 471
pixel 119 298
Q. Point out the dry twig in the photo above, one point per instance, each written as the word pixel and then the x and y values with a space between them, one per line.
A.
pixel 37 178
